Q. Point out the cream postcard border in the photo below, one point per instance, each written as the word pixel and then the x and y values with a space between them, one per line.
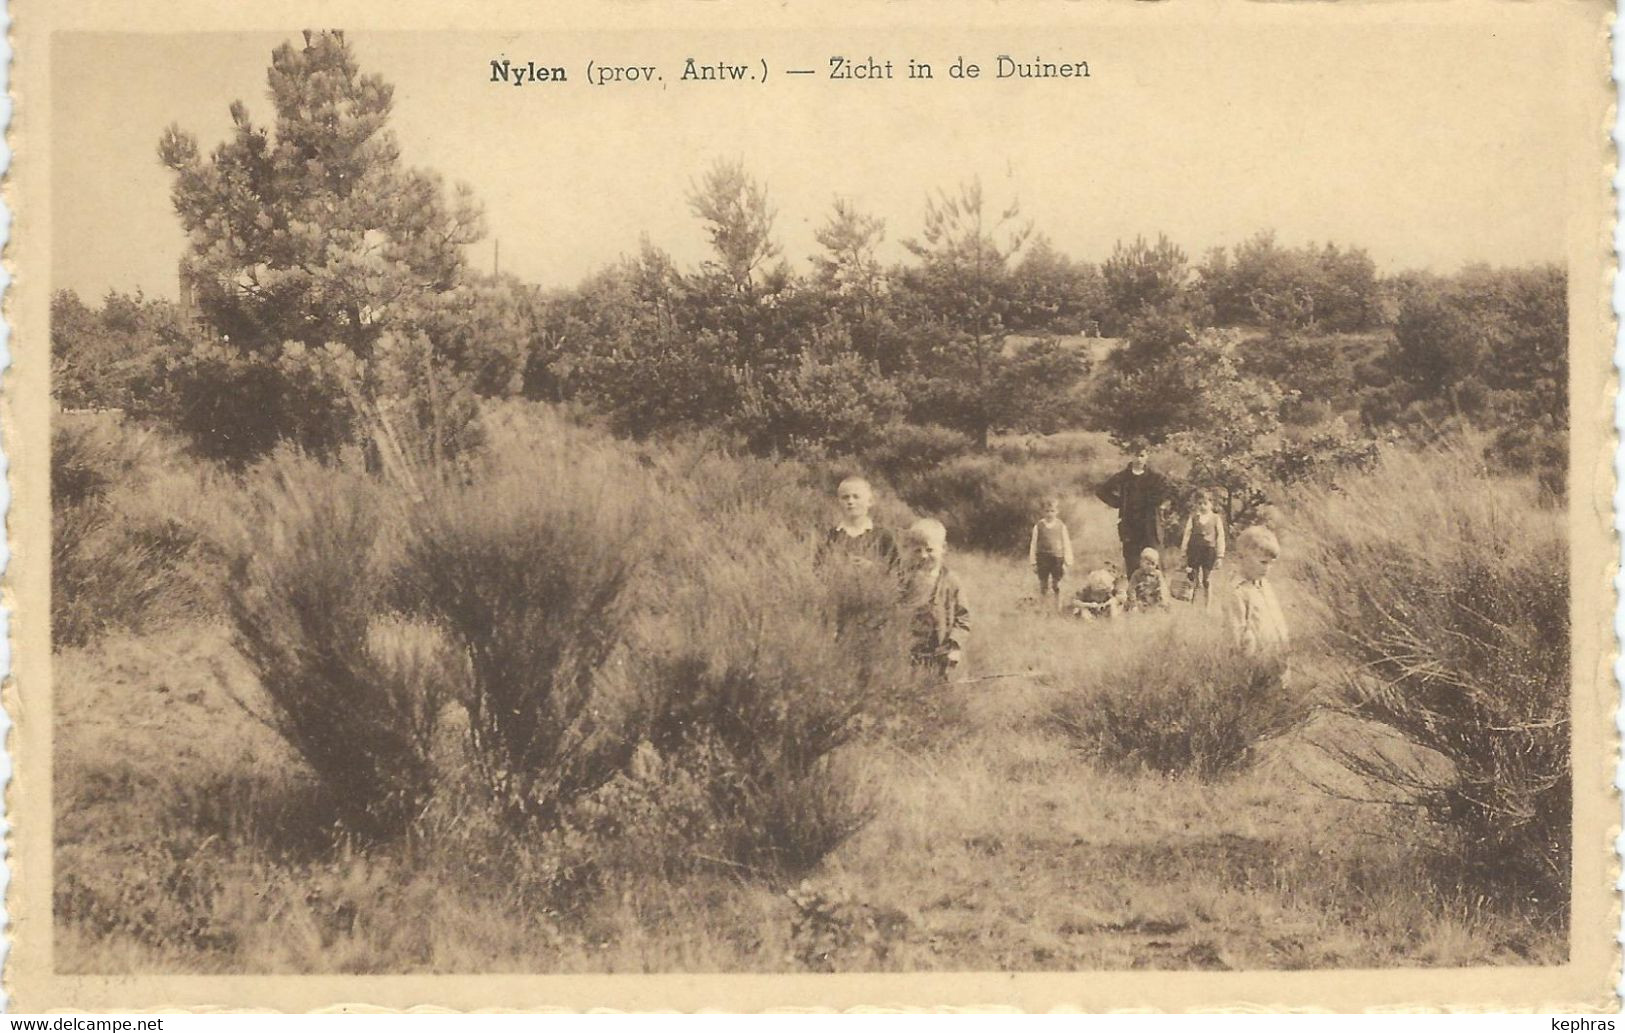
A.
pixel 1587 982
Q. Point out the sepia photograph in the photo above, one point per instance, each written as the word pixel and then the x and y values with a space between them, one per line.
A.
pixel 1077 496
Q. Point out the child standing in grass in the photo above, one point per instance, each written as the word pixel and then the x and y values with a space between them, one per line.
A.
pixel 1148 586
pixel 1203 546
pixel 934 595
pixel 1253 613
pixel 1051 551
pixel 856 538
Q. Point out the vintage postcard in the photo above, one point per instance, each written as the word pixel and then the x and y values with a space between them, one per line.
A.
pixel 679 506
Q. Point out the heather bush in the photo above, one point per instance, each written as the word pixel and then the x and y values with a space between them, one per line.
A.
pixel 760 689
pixel 1449 592
pixel 903 450
pixel 356 693
pixel 715 735
pixel 1179 698
pixel 115 565
pixel 234 408
pixel 985 502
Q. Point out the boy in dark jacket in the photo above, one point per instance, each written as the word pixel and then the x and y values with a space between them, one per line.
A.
pixel 856 538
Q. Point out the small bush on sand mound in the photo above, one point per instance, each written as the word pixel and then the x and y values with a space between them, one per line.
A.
pixel 1449 592
pixel 1178 698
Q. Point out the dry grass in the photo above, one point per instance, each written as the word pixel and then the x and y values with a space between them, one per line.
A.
pixel 992 842
pixel 132 542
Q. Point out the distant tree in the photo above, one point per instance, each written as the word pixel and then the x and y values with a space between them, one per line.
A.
pixel 963 279
pixel 1256 281
pixel 744 307
pixel 104 358
pixel 855 287
pixel 1316 373
pixel 1349 294
pixel 1034 387
pixel 1486 348
pixel 487 328
pixel 847 266
pixel 1525 313
pixel 311 244
pixel 77 359
pixel 1227 423
pixel 738 222
pixel 1054 294
pixel 1261 283
pixel 1141 277
pixel 626 340
pixel 831 399
pixel 1437 345
pixel 1193 394
pixel 1155 386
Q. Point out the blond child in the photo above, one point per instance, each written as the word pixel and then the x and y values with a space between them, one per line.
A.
pixel 1103 594
pixel 1252 613
pixel 1050 551
pixel 1148 586
pixel 934 595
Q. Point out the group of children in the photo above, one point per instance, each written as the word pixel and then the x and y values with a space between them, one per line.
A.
pixel 936 599
pixel 1107 591
pixel 1252 611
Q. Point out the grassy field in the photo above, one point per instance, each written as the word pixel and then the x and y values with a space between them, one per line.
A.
pixel 188 839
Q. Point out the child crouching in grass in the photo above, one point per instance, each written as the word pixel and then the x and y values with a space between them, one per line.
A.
pixel 1104 593
pixel 933 594
pixel 1148 586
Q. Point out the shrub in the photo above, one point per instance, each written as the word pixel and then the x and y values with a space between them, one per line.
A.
pixel 1537 447
pixel 309 598
pixel 761 687
pixel 113 565
pixel 907 449
pixel 984 502
pixel 1179 699
pixel 832 403
pixel 1449 591
pixel 235 408
pixel 530 569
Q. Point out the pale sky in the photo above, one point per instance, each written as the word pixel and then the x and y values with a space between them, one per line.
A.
pixel 1429 146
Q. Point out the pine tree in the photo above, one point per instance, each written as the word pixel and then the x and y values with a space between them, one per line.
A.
pixel 964 280
pixel 314 251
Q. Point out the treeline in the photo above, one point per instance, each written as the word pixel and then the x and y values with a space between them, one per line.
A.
pixel 334 305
